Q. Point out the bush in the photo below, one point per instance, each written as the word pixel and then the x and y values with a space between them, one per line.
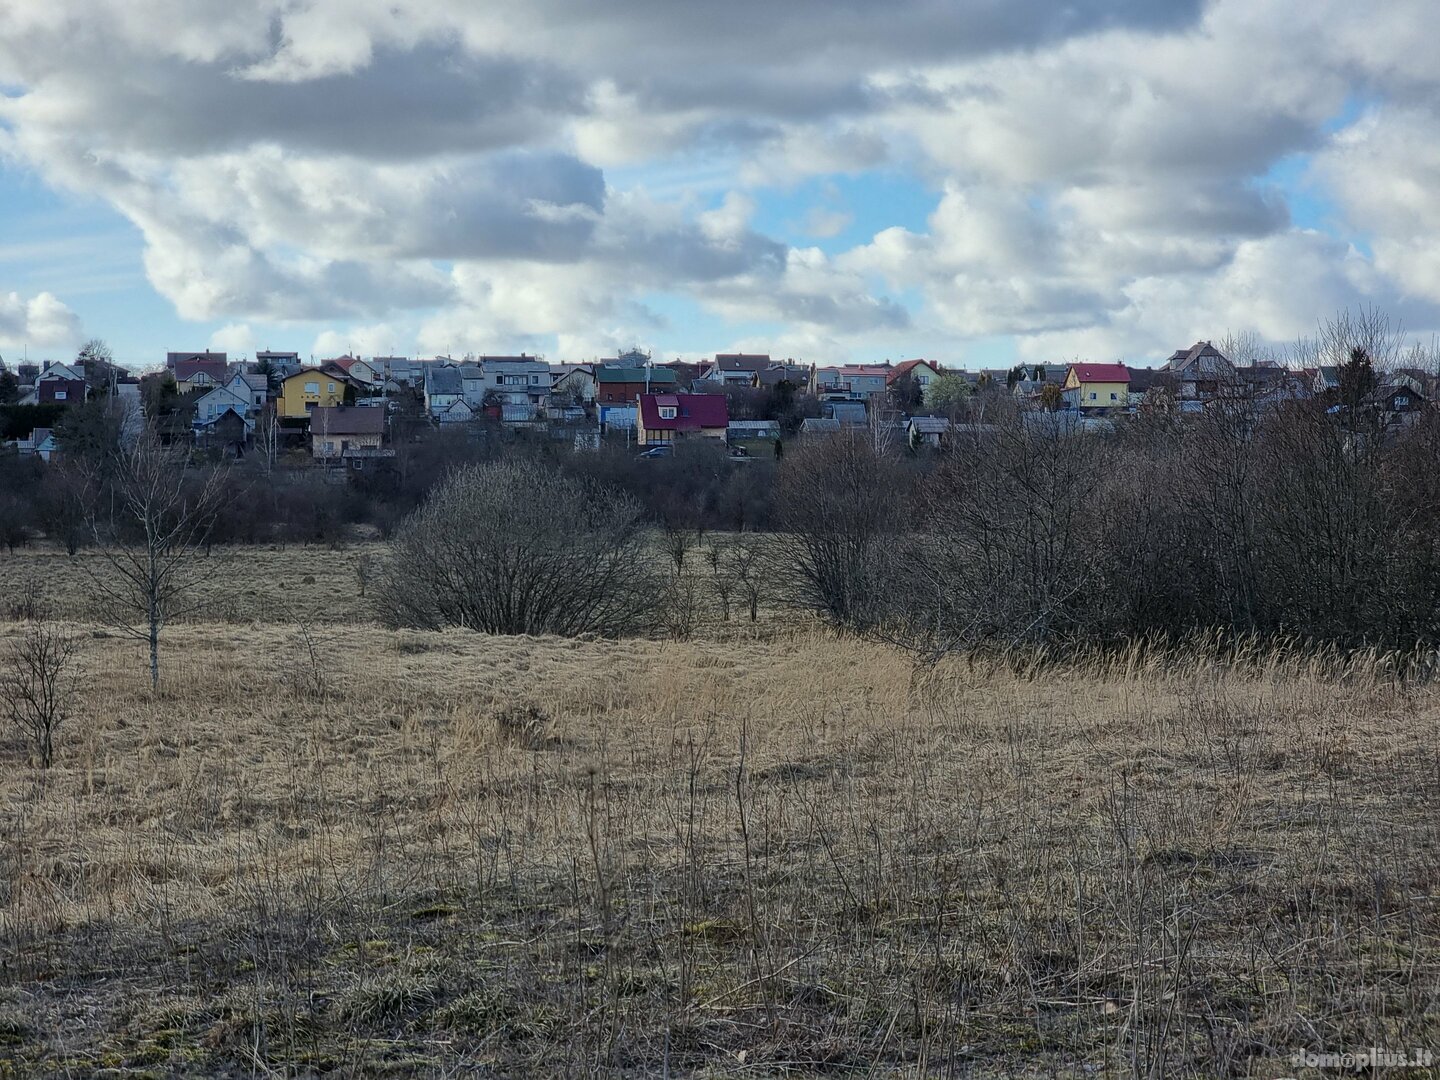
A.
pixel 516 547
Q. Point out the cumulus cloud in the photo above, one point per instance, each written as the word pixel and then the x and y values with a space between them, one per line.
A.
pixel 41 320
pixel 1103 173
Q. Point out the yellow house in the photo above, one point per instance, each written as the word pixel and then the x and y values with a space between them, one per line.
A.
pixel 309 388
pixel 1097 386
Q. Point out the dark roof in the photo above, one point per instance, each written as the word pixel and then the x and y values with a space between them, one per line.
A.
pixel 633 375
pixel 173 358
pixel 188 367
pixel 742 361
pixel 347 420
pixel 1183 358
pixel 692 411
pixel 444 380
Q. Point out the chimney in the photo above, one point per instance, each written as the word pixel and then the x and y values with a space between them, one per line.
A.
pixel 44 367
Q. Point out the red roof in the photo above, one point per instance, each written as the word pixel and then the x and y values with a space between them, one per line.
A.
pixel 905 367
pixel 866 369
pixel 1088 373
pixel 693 412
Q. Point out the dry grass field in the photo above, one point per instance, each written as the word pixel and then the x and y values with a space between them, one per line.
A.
pixel 781 853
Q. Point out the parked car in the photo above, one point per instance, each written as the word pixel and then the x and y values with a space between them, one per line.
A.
pixel 658 451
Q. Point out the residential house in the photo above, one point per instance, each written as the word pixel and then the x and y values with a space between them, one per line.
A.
pixel 360 372
pixel 861 380
pixel 282 363
pixel 622 385
pixel 308 389
pixel 516 380
pixel 1202 373
pixel 922 371
pixel 444 388
pixel 252 387
pixel 797 375
pixel 1327 380
pixel 59 383
pixel 209 407
pixel 737 369
pixel 348 432
pixel 686 372
pixel 1399 401
pixel 666 417
pixel 1033 378
pixel 1097 386
pixel 757 438
pixel 927 431
pixel 574 382
pixel 39 443
pixel 229 432
pixel 846 413
pixel 198 370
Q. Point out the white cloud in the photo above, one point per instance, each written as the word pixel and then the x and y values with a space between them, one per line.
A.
pixel 41 320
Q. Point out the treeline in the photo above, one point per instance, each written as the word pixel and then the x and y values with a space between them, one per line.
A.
pixel 1285 524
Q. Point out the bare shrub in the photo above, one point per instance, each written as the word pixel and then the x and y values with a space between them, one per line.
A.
pixel 516 547
pixel 679 609
pixel 37 685
pixel 840 504
pixel 525 725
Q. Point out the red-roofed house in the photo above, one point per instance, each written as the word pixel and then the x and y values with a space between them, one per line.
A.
pixel 665 417
pixel 922 371
pixel 200 372
pixel 1097 386
pixel 361 371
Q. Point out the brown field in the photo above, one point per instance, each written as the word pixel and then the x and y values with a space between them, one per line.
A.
pixel 749 854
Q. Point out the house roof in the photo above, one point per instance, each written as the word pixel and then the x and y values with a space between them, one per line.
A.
pixel 777 373
pixel 852 370
pixel 633 375
pixel 755 428
pixel 1101 373
pixel 905 367
pixel 173 358
pixel 213 366
pixel 692 411
pixel 347 420
pixel 444 380
pixel 254 380
pixel 61 371
pixel 816 425
pixel 930 425
pixel 1184 358
pixel 742 361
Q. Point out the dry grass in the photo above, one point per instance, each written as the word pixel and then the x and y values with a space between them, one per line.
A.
pixel 750 857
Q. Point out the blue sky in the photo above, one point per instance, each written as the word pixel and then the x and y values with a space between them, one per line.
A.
pixel 835 183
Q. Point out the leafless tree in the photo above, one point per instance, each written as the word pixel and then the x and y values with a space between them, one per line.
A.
pixel 839 510
pixel 723 578
pixel 150 539
pixel 517 547
pixel 747 557
pixel 267 438
pixel 36 686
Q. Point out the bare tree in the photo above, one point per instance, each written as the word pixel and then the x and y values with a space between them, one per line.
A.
pixel 267 438
pixel 149 543
pixel 747 557
pixel 723 578
pixel 37 684
pixel 516 547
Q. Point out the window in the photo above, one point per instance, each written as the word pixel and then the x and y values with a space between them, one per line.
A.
pixel 1092 395
pixel 1401 400
pixel 329 446
pixel 330 388
pixel 312 388
pixel 59 395
pixel 1114 397
pixel 667 412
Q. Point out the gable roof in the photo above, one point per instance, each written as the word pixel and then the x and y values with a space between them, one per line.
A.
pixel 906 366
pixel 444 380
pixel 1184 358
pixel 253 379
pixel 692 411
pixel 61 371
pixel 347 420
pixel 852 370
pixel 930 425
pixel 212 366
pixel 1101 373
pixel 173 358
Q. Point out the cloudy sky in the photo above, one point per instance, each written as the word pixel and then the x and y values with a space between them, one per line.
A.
pixel 970 180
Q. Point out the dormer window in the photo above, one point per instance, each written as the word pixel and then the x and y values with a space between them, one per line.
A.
pixel 667 412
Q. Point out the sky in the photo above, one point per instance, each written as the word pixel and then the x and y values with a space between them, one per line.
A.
pixel 978 182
